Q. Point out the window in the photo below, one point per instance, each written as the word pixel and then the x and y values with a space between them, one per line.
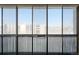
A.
pixel 9 44
pixel 69 28
pixel 24 20
pixel 39 20
pixel 9 29
pixel 69 44
pixel 54 28
pixel 39 44
pixel 24 44
pixel 39 29
pixel 69 20
pixel 9 20
pixel 54 44
pixel 25 29
pixel 54 19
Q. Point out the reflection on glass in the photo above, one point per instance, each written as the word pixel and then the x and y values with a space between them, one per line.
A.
pixel 69 44
pixel 54 44
pixel 9 44
pixel 54 27
pixel 39 20
pixel 9 20
pixel 39 28
pixel 54 19
pixel 39 44
pixel 25 20
pixel 24 44
pixel 69 20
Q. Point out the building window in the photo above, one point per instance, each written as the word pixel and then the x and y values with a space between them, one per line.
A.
pixel 25 29
pixel 69 30
pixel 54 19
pixel 54 28
pixel 9 44
pixel 39 29
pixel 24 20
pixel 9 29
pixel 9 20
pixel 69 20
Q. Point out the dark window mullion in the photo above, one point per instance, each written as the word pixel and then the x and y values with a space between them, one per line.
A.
pixel 16 30
pixel 32 29
pixel 2 29
pixel 47 29
pixel 77 29
pixel 62 29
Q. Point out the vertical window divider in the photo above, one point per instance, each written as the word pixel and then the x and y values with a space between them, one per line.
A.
pixel 62 29
pixel 2 29
pixel 16 30
pixel 77 28
pixel 47 29
pixel 32 29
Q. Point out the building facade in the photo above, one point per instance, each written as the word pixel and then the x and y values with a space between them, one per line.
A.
pixel 39 29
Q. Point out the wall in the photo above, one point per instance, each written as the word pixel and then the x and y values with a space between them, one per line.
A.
pixel 39 1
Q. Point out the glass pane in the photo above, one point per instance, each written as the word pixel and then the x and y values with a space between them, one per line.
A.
pixel 54 27
pixel 39 44
pixel 39 28
pixel 54 44
pixel 69 44
pixel 9 20
pixel 69 20
pixel 9 44
pixel 54 19
pixel 0 20
pixel 25 20
pixel 39 20
pixel 24 44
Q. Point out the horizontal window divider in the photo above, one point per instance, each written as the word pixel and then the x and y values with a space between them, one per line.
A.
pixel 24 34
pixel 62 35
pixel 9 35
pixel 40 35
pixel 70 35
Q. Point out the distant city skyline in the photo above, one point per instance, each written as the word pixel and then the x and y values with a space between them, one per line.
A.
pixel 37 29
